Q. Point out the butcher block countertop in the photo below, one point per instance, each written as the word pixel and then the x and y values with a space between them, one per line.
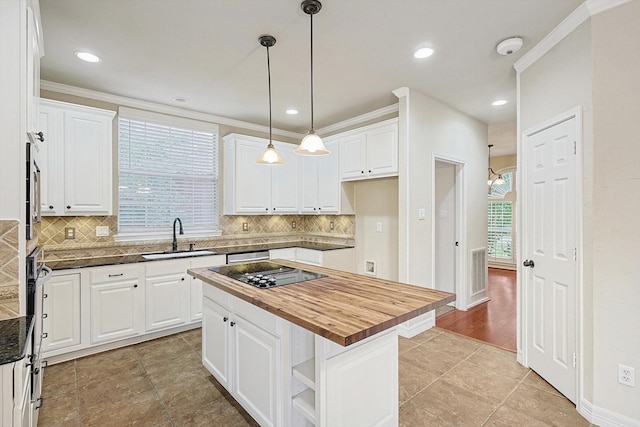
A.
pixel 342 307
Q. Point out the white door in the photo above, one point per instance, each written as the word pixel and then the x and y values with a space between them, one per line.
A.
pixel 309 184
pixel 353 156
pixel 61 312
pixel 328 179
pixel 382 151
pixel 284 181
pixel 216 342
pixel 252 181
pixel 115 311
pixel 550 244
pixel 445 226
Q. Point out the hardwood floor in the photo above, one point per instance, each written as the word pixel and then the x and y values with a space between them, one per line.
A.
pixel 493 322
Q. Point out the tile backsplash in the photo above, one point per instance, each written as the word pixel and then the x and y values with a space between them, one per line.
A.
pixel 9 276
pixel 260 228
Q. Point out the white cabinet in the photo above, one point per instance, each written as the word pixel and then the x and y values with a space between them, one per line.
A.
pixel 338 259
pixel 34 52
pixel 196 284
pixel 166 294
pixel 256 188
pixel 75 159
pixel 117 303
pixel 61 312
pixel 242 349
pixel 369 152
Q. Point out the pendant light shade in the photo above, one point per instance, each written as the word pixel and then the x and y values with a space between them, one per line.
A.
pixel 311 144
pixel 270 155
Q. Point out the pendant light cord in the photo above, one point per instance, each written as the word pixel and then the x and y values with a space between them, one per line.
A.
pixel 269 78
pixel 311 15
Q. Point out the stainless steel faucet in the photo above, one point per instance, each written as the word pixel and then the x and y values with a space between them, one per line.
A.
pixel 174 247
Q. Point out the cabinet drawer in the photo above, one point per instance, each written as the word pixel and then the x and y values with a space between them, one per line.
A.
pixel 163 268
pixel 309 256
pixel 256 315
pixel 216 295
pixel 208 261
pixel 111 273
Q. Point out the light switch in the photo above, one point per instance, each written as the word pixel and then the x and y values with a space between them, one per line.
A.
pixel 422 214
pixel 379 227
pixel 102 230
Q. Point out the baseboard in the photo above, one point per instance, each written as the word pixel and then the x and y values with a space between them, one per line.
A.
pixel 480 301
pixel 604 417
pixel 417 325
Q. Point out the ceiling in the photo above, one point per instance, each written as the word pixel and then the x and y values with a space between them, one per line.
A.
pixel 208 52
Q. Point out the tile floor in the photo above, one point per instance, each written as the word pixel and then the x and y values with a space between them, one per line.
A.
pixel 445 380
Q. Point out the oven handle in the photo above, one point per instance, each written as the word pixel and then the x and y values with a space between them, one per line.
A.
pixel 42 279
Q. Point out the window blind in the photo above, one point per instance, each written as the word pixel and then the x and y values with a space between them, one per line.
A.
pixel 166 172
pixel 500 228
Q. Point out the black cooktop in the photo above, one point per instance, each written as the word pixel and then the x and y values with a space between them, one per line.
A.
pixel 266 274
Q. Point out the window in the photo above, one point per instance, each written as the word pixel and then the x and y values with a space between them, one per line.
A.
pixel 499 231
pixel 166 171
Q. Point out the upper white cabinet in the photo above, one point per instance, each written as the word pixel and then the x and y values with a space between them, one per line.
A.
pixel 251 188
pixel 34 52
pixel 369 152
pixel 76 159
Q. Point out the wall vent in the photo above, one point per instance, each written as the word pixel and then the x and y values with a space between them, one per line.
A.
pixel 479 271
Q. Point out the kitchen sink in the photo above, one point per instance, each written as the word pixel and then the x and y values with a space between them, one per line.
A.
pixel 180 254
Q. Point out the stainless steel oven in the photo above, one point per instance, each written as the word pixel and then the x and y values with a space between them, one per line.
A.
pixel 33 215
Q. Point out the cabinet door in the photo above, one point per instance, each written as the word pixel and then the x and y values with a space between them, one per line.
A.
pixel 61 312
pixel 256 372
pixel 166 301
pixel 117 310
pixel 353 157
pixel 50 160
pixel 285 181
pixel 216 344
pixel 309 184
pixel 329 186
pixel 33 71
pixel 252 181
pixel 382 151
pixel 196 284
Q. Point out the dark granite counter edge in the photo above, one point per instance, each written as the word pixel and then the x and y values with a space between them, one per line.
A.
pixel 130 259
pixel 14 334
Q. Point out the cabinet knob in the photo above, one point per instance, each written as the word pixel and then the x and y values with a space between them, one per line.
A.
pixel 314 209
pixel 182 279
pixel 369 170
pixel 44 295
pixel 50 206
pixel 319 209
pixel 44 335
pixel 68 207
pixel 232 323
pixel 45 315
pixel 361 171
pixel 224 319
pixel 274 209
pixel 40 136
pixel 135 286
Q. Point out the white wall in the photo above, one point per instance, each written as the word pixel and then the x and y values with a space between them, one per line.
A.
pixel 427 129
pixel 445 226
pixel 376 201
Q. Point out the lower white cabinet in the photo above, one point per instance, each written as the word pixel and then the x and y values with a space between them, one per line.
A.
pixel 166 295
pixel 61 312
pixel 339 259
pixel 117 303
pixel 195 284
pixel 243 356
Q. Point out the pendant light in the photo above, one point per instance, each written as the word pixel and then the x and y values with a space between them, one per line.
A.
pixel 270 155
pixel 499 180
pixel 311 144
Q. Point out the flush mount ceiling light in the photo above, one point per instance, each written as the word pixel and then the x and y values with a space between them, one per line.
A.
pixel 509 46
pixel 499 180
pixel 291 111
pixel 311 144
pixel 270 155
pixel 499 102
pixel 425 52
pixel 86 56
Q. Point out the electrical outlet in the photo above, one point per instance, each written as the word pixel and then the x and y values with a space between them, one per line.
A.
pixel 102 230
pixel 245 226
pixel 293 225
pixel 422 214
pixel 69 233
pixel 379 227
pixel 332 225
pixel 626 375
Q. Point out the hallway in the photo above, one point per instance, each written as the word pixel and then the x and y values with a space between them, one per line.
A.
pixel 493 322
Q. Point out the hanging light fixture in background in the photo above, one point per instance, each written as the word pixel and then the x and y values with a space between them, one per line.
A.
pixel 270 155
pixel 311 144
pixel 491 182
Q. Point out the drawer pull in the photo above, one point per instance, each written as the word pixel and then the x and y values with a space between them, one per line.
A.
pixel 232 324
pixel 224 319
pixel 116 275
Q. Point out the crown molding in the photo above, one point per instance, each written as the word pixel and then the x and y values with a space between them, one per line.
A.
pixel 583 12
pixel 160 108
pixel 354 121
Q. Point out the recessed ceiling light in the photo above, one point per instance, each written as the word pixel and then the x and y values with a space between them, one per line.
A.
pixel 499 102
pixel 86 56
pixel 292 111
pixel 425 52
pixel 181 100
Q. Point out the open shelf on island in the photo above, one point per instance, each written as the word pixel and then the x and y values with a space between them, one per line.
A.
pixel 305 402
pixel 306 373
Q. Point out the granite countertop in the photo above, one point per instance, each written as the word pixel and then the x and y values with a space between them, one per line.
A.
pixel 342 307
pixel 13 338
pixel 128 259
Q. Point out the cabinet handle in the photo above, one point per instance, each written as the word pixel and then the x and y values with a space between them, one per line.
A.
pixel 232 323
pixel 45 295
pixel 224 319
pixel 40 136
pixel 44 335
pixel 40 403
pixel 50 206
pixel 116 275
pixel 135 286
pixel 45 315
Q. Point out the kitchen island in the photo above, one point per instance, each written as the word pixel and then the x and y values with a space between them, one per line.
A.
pixel 321 352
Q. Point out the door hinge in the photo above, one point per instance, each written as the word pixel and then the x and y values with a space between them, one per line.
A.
pixel 575 359
pixel 575 254
pixel 574 147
